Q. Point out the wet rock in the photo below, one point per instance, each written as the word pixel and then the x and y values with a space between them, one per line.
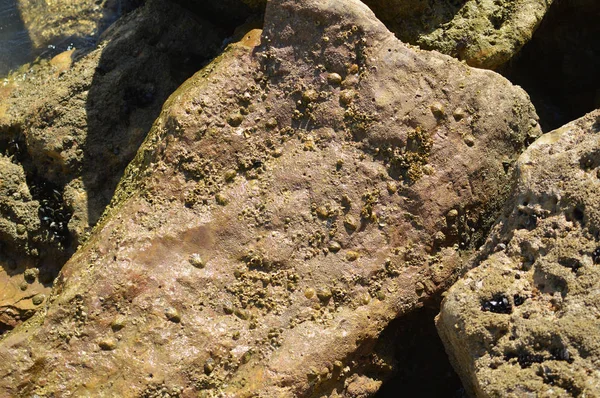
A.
pixel 525 321
pixel 485 34
pixel 266 248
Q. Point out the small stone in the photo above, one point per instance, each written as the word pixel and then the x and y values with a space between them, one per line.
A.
pixel 310 96
pixel 350 223
pixel 324 294
pixel 209 366
pixel 172 315
pixel 439 237
pixel 334 246
pixel 230 175
pixel 221 199
pixel 31 274
pixel 469 140
pixel 452 213
pixel 364 299
pixel 107 344
pixel 271 123
pixel 347 96
pixel 334 79
pixel 118 323
pixel 392 187
pixel 242 313
pixel 21 229
pixel 309 293
pixel 353 69
pixel 235 119
pixel 38 299
pixel 196 260
pixel 437 109
pixel 228 308
pixel 459 114
pixel 322 212
pixel 352 255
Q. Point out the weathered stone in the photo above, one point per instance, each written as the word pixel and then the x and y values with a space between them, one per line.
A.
pixel 525 321
pixel 74 126
pixel 484 33
pixel 266 247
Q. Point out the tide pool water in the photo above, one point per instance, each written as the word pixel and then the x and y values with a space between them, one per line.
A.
pixel 15 45
pixel 32 28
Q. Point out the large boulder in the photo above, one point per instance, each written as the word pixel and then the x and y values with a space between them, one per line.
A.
pixel 307 187
pixel 74 122
pixel 525 321
pixel 484 33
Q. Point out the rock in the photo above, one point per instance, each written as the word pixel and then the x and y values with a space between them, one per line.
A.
pixel 525 321
pixel 484 33
pixel 18 210
pixel 249 312
pixel 73 123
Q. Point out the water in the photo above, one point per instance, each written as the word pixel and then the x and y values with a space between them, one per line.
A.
pixel 46 28
pixel 15 45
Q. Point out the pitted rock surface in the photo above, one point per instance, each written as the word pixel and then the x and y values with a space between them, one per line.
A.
pixel 525 321
pixel 73 123
pixel 313 183
pixel 484 33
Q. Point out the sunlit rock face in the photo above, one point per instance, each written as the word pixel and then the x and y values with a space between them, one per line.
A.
pixel 314 182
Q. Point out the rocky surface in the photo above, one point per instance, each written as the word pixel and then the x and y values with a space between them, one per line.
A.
pixel 525 321
pixel 70 126
pixel 484 33
pixel 310 185
pixel 19 225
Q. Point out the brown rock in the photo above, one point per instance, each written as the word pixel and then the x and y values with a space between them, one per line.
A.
pixel 266 247
pixel 72 134
pixel 525 321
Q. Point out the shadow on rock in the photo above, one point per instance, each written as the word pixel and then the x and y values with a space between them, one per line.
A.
pixel 558 67
pixel 147 56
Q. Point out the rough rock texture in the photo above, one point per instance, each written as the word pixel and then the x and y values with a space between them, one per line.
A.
pixel 525 322
pixel 291 200
pixel 73 123
pixel 50 22
pixel 484 33
pixel 19 224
